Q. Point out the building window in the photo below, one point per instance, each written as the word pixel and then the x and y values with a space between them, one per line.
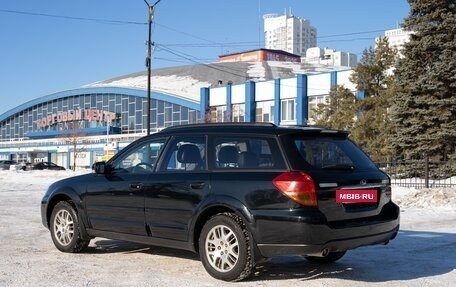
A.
pixel 238 113
pixel 131 124
pixel 288 111
pixel 265 111
pixel 218 114
pixel 314 102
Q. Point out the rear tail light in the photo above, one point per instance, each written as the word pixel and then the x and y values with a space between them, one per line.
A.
pixel 298 186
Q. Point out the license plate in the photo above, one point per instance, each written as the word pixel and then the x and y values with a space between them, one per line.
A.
pixel 356 196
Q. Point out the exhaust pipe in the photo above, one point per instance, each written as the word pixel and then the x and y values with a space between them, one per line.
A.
pixel 323 253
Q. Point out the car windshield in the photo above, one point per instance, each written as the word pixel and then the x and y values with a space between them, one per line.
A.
pixel 332 153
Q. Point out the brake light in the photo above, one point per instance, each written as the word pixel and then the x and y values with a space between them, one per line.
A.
pixel 299 186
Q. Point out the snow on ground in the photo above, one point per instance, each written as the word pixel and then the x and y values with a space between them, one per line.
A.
pixel 423 254
pixel 425 198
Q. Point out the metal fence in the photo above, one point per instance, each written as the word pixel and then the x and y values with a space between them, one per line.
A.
pixel 421 173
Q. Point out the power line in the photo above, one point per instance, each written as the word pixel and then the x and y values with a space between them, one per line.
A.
pixel 250 44
pixel 103 21
pixel 208 43
pixel 182 55
pixel 174 60
pixel 223 69
pixel 109 21
pixel 197 61
pixel 188 34
pixel 351 34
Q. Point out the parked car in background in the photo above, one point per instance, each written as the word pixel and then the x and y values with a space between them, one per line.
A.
pixel 47 165
pixel 25 166
pixel 5 164
pixel 234 193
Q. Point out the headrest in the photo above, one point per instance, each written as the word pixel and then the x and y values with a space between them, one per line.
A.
pixel 188 153
pixel 228 154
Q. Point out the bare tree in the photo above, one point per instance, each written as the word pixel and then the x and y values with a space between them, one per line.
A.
pixel 73 136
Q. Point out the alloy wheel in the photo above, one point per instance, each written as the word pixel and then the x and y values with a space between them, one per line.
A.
pixel 222 248
pixel 63 227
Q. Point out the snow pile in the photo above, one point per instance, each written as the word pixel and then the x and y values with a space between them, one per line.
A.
pixel 257 71
pixel 425 198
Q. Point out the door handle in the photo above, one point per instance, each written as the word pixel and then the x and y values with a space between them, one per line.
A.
pixel 135 185
pixel 197 185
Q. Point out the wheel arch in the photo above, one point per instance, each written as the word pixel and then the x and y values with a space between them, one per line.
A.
pixel 63 195
pixel 229 205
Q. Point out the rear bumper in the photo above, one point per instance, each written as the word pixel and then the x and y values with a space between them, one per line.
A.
pixel 295 236
pixel 268 250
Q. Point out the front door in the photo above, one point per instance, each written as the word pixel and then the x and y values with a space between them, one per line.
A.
pixel 181 182
pixel 115 202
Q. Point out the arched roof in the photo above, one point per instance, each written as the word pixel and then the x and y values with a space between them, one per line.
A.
pixel 100 90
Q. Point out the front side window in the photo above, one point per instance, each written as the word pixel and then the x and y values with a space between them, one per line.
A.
pixel 140 159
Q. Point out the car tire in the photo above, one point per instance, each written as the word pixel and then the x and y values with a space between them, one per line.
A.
pixel 66 229
pixel 225 248
pixel 330 258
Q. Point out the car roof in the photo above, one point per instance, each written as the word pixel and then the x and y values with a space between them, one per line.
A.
pixel 244 127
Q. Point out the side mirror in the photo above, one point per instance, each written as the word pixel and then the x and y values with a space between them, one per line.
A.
pixel 100 167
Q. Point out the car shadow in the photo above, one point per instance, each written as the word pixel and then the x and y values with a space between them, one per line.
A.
pixel 412 255
pixel 101 245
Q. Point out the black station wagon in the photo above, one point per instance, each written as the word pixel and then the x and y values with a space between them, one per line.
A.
pixel 234 193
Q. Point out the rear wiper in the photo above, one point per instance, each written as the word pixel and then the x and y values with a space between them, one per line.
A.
pixel 339 167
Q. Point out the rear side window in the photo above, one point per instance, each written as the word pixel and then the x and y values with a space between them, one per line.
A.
pixel 332 154
pixel 184 154
pixel 241 152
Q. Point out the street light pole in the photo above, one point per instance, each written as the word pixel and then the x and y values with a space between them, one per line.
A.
pixel 148 61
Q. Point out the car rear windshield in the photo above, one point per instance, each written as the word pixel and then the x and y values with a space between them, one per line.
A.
pixel 331 153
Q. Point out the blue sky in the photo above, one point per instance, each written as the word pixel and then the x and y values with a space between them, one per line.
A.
pixel 53 45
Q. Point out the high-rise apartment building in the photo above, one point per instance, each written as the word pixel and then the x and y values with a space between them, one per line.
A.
pixel 289 33
pixel 398 37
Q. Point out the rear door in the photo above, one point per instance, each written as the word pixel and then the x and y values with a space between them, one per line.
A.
pixel 244 166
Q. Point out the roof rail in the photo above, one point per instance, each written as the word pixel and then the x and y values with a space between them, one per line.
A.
pixel 234 124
